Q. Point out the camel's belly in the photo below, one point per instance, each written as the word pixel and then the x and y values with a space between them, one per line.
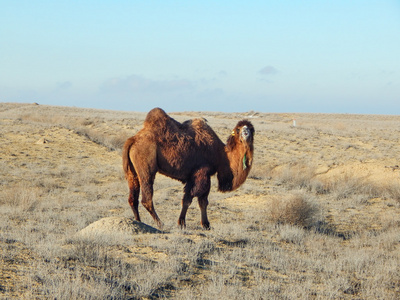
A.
pixel 181 168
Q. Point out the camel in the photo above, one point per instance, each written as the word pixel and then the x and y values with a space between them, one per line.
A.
pixel 190 152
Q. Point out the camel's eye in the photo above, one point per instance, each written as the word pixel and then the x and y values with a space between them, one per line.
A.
pixel 237 131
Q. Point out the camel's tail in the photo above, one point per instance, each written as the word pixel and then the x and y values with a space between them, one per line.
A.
pixel 126 161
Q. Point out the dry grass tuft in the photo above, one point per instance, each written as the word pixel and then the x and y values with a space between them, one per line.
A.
pixel 296 175
pixel 346 185
pixel 90 128
pixel 295 209
pixel 113 142
pixel 21 197
pixel 393 190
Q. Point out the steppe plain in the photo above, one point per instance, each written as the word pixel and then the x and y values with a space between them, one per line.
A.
pixel 318 217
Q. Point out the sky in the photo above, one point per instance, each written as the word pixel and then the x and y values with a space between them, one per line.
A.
pixel 339 56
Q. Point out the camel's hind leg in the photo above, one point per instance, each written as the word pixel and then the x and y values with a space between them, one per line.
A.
pixel 134 191
pixel 147 199
pixel 144 160
pixel 131 176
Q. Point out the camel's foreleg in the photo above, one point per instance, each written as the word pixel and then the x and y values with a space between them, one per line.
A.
pixel 203 203
pixel 198 186
pixel 201 190
pixel 186 201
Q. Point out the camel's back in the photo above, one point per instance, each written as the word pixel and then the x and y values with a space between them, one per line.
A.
pixel 182 146
pixel 200 131
pixel 167 129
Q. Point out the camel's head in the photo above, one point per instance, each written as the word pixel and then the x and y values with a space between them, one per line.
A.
pixel 239 149
pixel 242 133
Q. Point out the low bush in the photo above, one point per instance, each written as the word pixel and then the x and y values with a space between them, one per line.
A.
pixel 296 209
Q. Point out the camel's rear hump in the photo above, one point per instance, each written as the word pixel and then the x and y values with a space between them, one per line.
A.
pixel 159 122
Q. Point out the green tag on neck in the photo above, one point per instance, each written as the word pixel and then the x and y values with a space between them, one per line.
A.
pixel 244 162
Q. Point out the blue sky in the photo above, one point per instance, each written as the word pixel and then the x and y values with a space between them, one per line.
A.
pixel 338 56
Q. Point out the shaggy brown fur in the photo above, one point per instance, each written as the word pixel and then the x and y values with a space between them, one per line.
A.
pixel 190 152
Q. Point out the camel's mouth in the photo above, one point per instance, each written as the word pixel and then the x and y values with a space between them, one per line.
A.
pixel 246 133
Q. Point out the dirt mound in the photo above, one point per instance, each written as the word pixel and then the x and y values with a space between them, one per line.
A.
pixel 112 225
pixel 42 141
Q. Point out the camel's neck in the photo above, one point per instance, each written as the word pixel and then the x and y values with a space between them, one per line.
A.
pixel 240 161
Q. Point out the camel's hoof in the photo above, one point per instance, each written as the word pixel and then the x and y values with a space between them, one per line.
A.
pixel 206 226
pixel 182 224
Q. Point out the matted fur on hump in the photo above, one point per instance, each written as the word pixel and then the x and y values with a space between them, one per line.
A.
pixel 162 125
pixel 158 121
pixel 199 129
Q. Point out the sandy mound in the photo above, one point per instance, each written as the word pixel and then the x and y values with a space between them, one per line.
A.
pixel 42 141
pixel 113 225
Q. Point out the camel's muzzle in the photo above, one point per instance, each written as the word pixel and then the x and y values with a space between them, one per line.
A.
pixel 246 133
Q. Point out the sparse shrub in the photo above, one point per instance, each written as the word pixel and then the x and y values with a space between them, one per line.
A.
pixel 348 185
pixel 294 209
pixel 20 196
pixel 112 142
pixel 292 234
pixel 261 171
pixel 393 190
pixel 118 277
pixel 296 176
pixel 82 126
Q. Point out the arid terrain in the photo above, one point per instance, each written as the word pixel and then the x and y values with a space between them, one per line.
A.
pixel 318 217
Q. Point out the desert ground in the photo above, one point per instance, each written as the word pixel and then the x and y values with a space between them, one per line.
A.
pixel 317 218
